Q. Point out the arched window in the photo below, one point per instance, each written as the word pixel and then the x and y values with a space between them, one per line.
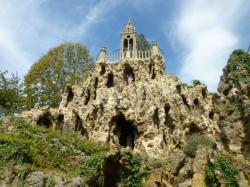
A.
pixel 125 45
pixel 131 44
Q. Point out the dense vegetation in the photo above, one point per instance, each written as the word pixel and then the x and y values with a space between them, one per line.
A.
pixel 11 94
pixel 142 43
pixel 239 66
pixel 63 153
pixel 65 64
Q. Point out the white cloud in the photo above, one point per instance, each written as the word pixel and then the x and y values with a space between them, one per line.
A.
pixel 207 32
pixel 27 32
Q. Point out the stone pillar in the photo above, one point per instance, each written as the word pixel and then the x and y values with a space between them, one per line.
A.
pixel 102 55
pixel 154 48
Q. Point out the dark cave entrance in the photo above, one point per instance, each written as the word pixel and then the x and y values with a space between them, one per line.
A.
pixel 125 131
pixel 45 120
pixel 128 75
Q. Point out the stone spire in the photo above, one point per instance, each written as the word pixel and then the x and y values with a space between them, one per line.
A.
pixel 128 41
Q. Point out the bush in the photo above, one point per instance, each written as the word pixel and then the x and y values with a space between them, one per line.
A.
pixel 90 147
pixel 133 172
pixel 193 141
pixel 227 173
pixel 196 82
pixel 92 169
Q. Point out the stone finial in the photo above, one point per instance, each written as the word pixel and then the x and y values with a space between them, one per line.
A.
pixel 102 55
pixel 154 48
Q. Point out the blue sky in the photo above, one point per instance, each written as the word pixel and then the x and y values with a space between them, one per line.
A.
pixel 197 36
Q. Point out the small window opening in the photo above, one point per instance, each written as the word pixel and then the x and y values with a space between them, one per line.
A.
pixel 194 129
pixel 79 125
pixel 178 88
pixel 204 93
pixel 196 103
pixel 110 81
pixel 211 115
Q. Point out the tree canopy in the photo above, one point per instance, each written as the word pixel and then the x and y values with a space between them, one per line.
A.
pixel 142 43
pixel 11 95
pixel 65 64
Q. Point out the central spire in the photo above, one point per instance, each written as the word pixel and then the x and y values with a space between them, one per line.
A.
pixel 128 41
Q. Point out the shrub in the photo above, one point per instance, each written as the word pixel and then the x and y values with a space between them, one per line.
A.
pixel 227 173
pixel 92 170
pixel 133 172
pixel 196 82
pixel 90 147
pixel 193 141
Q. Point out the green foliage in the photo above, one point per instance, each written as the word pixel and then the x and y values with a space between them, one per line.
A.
pixel 133 173
pixel 194 141
pixel 92 169
pixel 227 173
pixel 158 163
pixel 196 82
pixel 11 95
pixel 90 147
pixel 142 43
pixel 66 64
pixel 44 148
pixel 239 66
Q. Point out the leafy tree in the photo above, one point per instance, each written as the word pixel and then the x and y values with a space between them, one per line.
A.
pixel 11 95
pixel 142 43
pixel 65 64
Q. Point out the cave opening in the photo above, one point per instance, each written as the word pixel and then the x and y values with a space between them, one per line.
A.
pixel 128 74
pixel 103 70
pixel 70 95
pixel 156 118
pixel 79 125
pixel 87 97
pixel 45 120
pixel 196 103
pixel 185 101
pixel 110 81
pixel 126 131
pixel 59 122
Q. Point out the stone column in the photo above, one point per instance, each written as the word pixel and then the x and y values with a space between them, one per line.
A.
pixel 102 55
pixel 154 48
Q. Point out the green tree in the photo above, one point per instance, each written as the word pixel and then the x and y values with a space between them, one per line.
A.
pixel 142 43
pixel 11 95
pixel 65 64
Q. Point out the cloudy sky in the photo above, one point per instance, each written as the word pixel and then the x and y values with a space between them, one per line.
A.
pixel 197 36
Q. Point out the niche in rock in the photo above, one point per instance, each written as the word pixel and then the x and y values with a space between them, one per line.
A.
pixel 59 122
pixel 79 125
pixel 168 119
pixel 152 71
pixel 211 115
pixel 156 118
pixel 128 74
pixel 87 97
pixel 70 95
pixel 45 120
pixel 204 93
pixel 185 101
pixel 126 131
pixel 196 103
pixel 103 70
pixel 110 81
pixel 95 86
pixel 194 129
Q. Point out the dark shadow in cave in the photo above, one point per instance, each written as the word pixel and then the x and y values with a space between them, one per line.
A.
pixel 110 81
pixel 128 74
pixel 70 95
pixel 45 120
pixel 59 122
pixel 125 131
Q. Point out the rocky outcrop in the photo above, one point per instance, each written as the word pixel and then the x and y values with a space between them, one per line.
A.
pixel 133 103
pixel 233 104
